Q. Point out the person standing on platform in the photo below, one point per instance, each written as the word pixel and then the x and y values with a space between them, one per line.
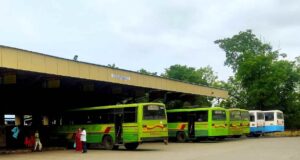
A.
pixel 78 142
pixel 83 140
pixel 37 141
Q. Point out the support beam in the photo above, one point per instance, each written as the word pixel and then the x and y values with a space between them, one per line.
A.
pixel 1 119
pixel 19 120
pixel 45 120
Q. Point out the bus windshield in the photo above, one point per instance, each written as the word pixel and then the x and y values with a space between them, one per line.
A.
pixel 279 115
pixel 218 115
pixel 154 112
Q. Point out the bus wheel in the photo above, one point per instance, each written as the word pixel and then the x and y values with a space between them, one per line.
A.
pixel 115 147
pixel 108 143
pixel 221 138
pixel 256 135
pixel 131 146
pixel 180 137
pixel 212 138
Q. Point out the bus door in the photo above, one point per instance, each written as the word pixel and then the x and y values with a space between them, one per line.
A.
pixel 119 116
pixel 191 125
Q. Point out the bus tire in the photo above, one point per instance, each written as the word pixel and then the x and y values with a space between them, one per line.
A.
pixel 237 136
pixel 115 147
pixel 131 146
pixel 221 138
pixel 180 137
pixel 256 135
pixel 212 138
pixel 107 142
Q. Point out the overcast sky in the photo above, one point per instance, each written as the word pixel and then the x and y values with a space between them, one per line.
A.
pixel 149 34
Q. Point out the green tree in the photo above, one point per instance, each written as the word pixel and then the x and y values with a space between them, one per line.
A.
pixel 243 45
pixel 237 94
pixel 201 76
pixel 261 80
pixel 143 71
pixel 112 65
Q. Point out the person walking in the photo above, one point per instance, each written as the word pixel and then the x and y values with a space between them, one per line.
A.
pixel 37 141
pixel 78 140
pixel 83 140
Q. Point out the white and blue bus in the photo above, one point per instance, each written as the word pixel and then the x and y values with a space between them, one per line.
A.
pixel 274 121
pixel 257 122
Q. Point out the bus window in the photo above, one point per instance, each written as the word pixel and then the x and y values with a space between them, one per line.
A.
pixel 269 116
pixel 89 117
pixel 235 115
pixel 55 120
pixel 177 117
pixel 252 118
pixel 218 115
pixel 152 112
pixel 172 117
pixel 105 116
pixel 279 115
pixel 201 116
pixel 245 116
pixel 260 116
pixel 9 119
pixel 130 115
pixel 74 118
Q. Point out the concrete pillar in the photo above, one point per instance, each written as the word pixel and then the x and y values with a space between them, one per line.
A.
pixel 2 136
pixel 45 120
pixel 18 120
pixel 1 119
pixel 2 131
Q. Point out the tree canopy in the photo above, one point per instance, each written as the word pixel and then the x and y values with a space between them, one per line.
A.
pixel 200 76
pixel 261 80
pixel 143 71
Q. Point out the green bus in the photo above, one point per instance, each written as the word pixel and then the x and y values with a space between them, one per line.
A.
pixel 245 121
pixel 197 123
pixel 238 122
pixel 113 126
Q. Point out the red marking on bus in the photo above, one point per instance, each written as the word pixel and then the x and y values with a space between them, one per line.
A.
pixel 182 127
pixel 107 129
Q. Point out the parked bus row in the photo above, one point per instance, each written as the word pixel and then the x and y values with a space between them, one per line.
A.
pixel 132 124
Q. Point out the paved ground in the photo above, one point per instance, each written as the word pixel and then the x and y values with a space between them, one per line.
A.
pixel 232 149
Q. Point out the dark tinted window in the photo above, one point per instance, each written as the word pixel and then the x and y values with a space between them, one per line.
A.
pixel 152 112
pixel 269 116
pixel 74 118
pixel 130 115
pixel 218 115
pixel 260 116
pixel 89 117
pixel 201 116
pixel 252 118
pixel 55 120
pixel 177 117
pixel 102 116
